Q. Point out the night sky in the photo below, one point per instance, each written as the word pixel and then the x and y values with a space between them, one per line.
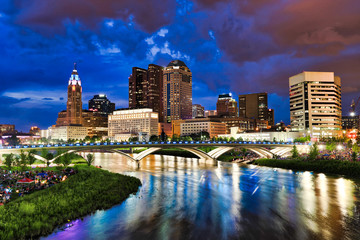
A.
pixel 239 46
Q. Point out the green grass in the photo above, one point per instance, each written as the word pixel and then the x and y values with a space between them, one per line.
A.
pixel 39 213
pixel 207 149
pixel 348 168
pixel 225 158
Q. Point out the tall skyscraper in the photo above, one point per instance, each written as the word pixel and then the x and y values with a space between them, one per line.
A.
pixel 226 106
pixel 101 104
pixel 73 113
pixel 74 101
pixel 315 103
pixel 138 88
pixel 177 91
pixel 155 89
pixel 145 88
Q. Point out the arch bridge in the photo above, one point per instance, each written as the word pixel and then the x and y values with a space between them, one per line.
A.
pixel 263 149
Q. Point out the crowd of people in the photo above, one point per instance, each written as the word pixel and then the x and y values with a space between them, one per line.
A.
pixel 14 184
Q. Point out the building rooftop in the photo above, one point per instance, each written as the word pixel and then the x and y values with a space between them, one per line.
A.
pixel 177 63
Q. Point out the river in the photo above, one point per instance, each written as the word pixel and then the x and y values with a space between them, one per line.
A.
pixel 183 199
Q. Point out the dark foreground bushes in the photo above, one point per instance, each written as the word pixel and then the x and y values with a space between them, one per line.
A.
pixel 81 194
pixel 348 168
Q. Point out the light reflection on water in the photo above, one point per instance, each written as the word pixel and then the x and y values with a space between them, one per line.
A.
pixel 184 199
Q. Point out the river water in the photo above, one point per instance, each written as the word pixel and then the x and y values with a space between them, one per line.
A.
pixel 183 199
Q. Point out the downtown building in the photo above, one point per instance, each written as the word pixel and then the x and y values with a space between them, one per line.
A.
pixel 126 123
pixel 177 91
pixel 198 111
pixel 226 106
pixel 101 104
pixel 255 106
pixel 242 124
pixel 350 122
pixel 315 104
pixel 197 125
pixel 74 121
pixel 146 88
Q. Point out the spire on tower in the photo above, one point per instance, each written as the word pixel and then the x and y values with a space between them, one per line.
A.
pixel 75 66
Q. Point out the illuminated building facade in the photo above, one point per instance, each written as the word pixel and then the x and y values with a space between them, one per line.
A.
pixel 197 125
pixel 315 104
pixel 142 121
pixel 145 88
pixel 177 91
pixel 198 111
pixel 350 122
pixel 226 106
pixel 73 113
pixel 74 101
pixel 7 129
pixel 155 89
pixel 138 88
pixel 243 124
pixel 101 104
pixel 255 106
pixel 34 130
pixel 69 132
pixel 210 113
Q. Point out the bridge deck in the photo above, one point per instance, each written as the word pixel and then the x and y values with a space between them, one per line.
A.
pixel 113 145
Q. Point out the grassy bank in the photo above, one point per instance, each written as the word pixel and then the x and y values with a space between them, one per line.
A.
pixel 40 213
pixel 351 169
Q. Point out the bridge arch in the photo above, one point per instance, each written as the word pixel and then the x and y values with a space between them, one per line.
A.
pixel 262 152
pixel 108 150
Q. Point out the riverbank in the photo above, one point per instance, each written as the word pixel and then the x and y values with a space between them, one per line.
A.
pixel 347 168
pixel 39 213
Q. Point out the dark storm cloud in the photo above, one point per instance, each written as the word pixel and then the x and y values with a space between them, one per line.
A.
pixel 50 14
pixel 251 30
pixel 238 46
pixel 7 102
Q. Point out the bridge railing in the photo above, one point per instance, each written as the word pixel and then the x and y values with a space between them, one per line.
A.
pixel 149 143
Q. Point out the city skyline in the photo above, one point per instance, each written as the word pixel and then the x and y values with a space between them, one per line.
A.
pixel 234 51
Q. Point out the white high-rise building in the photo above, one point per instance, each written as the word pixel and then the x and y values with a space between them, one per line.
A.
pixel 315 104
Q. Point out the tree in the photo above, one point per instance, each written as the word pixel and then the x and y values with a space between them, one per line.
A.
pixel 244 152
pixel 133 139
pixel 31 157
pixel 354 156
pixel 13 140
pixel 47 155
pixel 9 160
pixel 154 138
pixel 90 158
pixel 355 151
pixel 175 137
pixel 187 138
pixel 330 146
pixel 294 152
pixel 314 152
pixel 64 159
pixel 23 159
pixel 355 148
